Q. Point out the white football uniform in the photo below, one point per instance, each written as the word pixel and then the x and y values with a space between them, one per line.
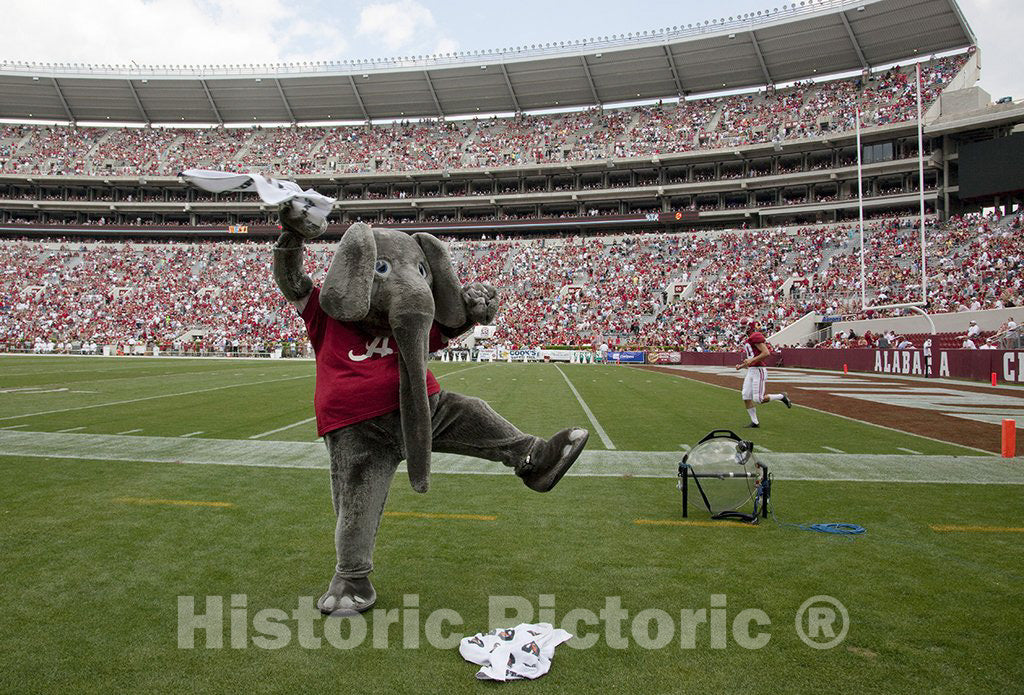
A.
pixel 757 376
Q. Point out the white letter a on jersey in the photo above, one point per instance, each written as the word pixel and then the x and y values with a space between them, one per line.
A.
pixel 378 346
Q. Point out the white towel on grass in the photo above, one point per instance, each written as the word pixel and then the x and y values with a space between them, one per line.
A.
pixel 311 205
pixel 523 651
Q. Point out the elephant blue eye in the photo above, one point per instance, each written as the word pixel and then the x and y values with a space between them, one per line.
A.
pixel 423 270
pixel 382 267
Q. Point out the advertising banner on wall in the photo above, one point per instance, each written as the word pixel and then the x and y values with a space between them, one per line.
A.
pixel 1007 365
pixel 518 355
pixel 664 357
pixel 558 355
pixel 626 356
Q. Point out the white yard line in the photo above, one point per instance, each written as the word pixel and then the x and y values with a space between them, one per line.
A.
pixel 23 388
pixel 125 432
pixel 150 398
pixel 12 427
pixel 34 391
pixel 282 429
pixel 833 449
pixel 909 451
pixel 130 377
pixel 71 429
pixel 191 434
pixel 586 409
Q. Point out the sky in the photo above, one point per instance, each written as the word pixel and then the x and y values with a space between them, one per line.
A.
pixel 178 32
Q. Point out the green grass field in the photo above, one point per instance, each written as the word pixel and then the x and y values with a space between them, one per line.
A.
pixel 106 524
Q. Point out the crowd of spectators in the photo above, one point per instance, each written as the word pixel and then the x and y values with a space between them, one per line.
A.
pixel 770 115
pixel 647 290
pixel 175 296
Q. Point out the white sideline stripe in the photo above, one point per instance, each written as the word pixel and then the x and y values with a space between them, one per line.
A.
pixel 125 432
pixel 12 427
pixel 191 434
pixel 846 417
pixel 880 468
pixel 833 449
pixel 909 451
pixel 590 415
pixel 71 429
pixel 282 429
pixel 150 398
pixel 571 473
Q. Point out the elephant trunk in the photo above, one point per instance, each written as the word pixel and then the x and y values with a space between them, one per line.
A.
pixel 411 331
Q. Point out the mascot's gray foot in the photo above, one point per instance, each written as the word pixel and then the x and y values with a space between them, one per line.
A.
pixel 546 465
pixel 347 597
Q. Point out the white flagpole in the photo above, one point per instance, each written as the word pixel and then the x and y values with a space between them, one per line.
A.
pixel 920 174
pixel 860 217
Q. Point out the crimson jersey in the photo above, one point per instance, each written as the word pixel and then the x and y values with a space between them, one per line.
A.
pixel 356 372
pixel 752 340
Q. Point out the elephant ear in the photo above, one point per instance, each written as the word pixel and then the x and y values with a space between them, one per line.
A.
pixel 345 294
pixel 449 308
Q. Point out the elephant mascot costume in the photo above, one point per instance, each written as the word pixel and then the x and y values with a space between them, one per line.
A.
pixel 387 300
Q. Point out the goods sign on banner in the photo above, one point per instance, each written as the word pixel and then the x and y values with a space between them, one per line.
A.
pixel 664 357
pixel 484 332
pixel 518 355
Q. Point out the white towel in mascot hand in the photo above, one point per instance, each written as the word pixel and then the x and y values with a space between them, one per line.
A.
pixel 311 205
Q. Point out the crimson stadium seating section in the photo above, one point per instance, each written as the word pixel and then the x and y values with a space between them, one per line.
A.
pixel 804 110
pixel 577 291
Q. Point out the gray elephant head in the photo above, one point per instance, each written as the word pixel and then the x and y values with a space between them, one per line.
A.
pixel 391 283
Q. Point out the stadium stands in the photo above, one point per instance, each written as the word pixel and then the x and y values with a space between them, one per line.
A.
pixel 575 291
pixel 771 115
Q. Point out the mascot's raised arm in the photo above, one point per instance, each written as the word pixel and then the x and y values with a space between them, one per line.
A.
pixel 388 299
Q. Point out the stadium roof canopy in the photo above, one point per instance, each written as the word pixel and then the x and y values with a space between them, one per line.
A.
pixel 796 41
